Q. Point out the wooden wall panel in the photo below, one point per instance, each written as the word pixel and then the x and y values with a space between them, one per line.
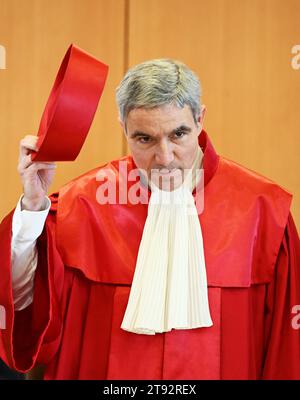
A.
pixel 241 50
pixel 36 35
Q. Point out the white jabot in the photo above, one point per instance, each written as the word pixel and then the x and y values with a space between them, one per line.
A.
pixel 169 288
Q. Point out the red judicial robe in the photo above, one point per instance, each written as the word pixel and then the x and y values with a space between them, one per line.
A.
pixel 87 254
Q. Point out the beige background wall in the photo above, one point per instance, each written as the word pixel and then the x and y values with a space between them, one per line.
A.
pixel 241 49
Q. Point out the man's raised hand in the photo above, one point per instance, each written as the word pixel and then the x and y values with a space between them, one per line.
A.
pixel 36 177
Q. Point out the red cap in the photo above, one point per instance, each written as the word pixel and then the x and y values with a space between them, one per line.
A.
pixel 71 106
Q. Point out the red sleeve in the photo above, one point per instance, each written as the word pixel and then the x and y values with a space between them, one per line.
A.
pixel 31 335
pixel 282 322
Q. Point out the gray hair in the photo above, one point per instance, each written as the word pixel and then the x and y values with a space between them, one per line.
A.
pixel 157 82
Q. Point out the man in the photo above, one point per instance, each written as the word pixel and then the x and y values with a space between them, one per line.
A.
pixel 104 284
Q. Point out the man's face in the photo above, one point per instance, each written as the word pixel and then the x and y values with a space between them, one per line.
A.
pixel 163 142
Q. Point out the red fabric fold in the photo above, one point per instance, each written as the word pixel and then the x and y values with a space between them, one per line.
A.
pixel 32 335
pixel 282 324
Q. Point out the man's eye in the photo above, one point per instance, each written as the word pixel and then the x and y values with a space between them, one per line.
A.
pixel 144 139
pixel 179 134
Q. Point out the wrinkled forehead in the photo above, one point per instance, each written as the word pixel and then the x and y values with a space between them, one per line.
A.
pixel 160 119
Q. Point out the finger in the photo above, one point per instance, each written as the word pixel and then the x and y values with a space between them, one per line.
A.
pixel 30 140
pixel 25 149
pixel 26 161
pixel 39 165
pixel 28 143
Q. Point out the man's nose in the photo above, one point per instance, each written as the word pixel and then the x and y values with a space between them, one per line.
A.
pixel 164 154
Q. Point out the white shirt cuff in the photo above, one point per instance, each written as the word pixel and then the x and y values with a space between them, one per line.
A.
pixel 28 225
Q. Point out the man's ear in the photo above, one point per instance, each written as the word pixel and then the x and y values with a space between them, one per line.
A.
pixel 201 117
pixel 123 126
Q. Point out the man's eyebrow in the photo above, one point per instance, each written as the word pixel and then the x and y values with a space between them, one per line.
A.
pixel 181 128
pixel 136 134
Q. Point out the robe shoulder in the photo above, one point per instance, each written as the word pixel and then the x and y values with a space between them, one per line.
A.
pixel 256 185
pixel 87 183
pixel 255 211
pixel 270 200
pixel 101 240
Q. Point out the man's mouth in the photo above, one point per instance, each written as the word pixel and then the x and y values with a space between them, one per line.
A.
pixel 166 171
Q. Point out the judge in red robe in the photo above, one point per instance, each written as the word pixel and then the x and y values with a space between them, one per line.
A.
pixel 86 262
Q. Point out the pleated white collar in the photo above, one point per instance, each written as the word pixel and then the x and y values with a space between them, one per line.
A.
pixel 169 288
